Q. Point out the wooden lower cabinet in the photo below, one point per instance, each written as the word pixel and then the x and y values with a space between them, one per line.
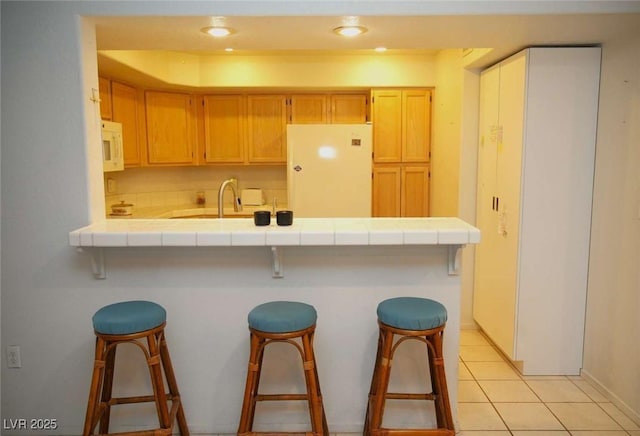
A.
pixel 415 191
pixel 386 191
pixel 400 191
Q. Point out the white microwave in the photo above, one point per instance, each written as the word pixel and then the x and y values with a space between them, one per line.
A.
pixel 112 151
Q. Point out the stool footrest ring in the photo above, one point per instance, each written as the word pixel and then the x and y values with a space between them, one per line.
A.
pixel 281 397
pixel 403 396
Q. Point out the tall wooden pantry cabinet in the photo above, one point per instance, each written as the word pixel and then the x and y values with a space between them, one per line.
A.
pixel 538 115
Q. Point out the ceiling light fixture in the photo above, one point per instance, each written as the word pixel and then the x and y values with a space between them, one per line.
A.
pixel 350 31
pixel 218 31
pixel 380 49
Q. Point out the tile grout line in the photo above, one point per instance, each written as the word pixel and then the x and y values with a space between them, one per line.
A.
pixel 526 382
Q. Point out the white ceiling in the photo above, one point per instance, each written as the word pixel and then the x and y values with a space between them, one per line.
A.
pixel 504 33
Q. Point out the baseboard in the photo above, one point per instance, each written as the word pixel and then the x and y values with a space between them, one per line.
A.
pixel 624 407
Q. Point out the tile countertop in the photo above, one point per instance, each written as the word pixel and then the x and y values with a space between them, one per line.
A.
pixel 304 231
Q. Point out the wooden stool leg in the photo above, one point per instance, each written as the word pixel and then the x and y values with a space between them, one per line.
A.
pixel 316 410
pixel 107 387
pixel 373 388
pixel 99 363
pixel 439 382
pixel 325 426
pixel 173 386
pixel 157 382
pixel 251 387
pixel 382 382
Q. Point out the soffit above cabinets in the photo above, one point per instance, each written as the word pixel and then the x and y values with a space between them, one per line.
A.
pixel 504 33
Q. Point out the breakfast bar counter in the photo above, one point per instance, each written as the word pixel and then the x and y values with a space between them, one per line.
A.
pixel 216 270
pixel 303 231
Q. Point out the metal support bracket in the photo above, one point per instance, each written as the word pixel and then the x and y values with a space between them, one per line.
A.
pixel 278 267
pixel 97 261
pixel 454 259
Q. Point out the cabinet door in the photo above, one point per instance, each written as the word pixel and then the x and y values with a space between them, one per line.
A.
pixel 416 125
pixel 169 128
pixel 415 191
pixel 386 191
pixel 491 310
pixel 267 128
pixel 309 109
pixel 104 89
pixel 348 109
pixel 387 126
pixel 125 110
pixel 499 170
pixel 224 128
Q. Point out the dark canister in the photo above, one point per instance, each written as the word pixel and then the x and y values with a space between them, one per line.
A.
pixel 284 217
pixel 262 218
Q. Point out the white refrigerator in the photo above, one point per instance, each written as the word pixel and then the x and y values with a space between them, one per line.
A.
pixel 329 170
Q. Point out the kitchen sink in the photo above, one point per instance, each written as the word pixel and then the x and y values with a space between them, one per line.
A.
pixel 206 215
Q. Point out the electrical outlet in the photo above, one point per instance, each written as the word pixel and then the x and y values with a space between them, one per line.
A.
pixel 13 357
pixel 111 186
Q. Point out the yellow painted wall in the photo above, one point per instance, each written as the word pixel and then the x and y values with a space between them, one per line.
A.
pixel 281 70
pixel 447 118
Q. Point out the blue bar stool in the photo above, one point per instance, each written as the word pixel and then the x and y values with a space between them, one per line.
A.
pixel 409 318
pixel 140 323
pixel 282 321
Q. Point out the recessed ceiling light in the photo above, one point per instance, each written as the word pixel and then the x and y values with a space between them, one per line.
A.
pixel 350 31
pixel 229 49
pixel 218 31
pixel 380 49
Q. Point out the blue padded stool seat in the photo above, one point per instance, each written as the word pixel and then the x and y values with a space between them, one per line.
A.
pixel 412 313
pixel 282 316
pixel 128 317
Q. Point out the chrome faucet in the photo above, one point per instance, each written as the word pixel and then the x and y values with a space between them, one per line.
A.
pixel 233 183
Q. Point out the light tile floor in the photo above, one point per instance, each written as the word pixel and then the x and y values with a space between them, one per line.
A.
pixel 495 400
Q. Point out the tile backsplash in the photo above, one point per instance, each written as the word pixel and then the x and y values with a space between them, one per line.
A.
pixel 166 186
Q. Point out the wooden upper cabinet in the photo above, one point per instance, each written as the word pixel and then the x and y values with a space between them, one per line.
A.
pixel 387 126
pixel 170 134
pixel 416 124
pixel 104 89
pixel 309 109
pixel 328 108
pixel 401 125
pixel 267 122
pixel 124 100
pixel 224 133
pixel 349 108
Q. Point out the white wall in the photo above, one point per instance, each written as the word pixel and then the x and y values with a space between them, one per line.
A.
pixel 612 353
pixel 48 294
